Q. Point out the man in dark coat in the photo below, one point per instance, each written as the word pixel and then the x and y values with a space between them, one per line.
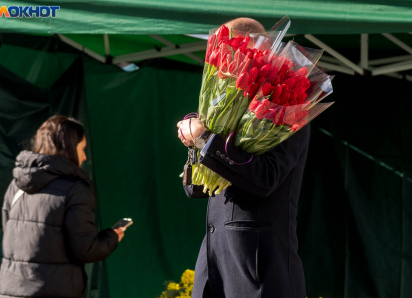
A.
pixel 49 232
pixel 250 247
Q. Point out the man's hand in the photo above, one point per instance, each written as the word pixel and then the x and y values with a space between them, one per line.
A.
pixel 189 130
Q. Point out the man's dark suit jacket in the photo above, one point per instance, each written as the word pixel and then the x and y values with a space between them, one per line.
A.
pixel 250 247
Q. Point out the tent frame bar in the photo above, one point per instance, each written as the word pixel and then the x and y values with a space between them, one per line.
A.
pixel 401 66
pixel 334 53
pixel 163 52
pixel 339 68
pixel 170 44
pixel 106 45
pixel 335 63
pixel 78 46
pixel 398 42
pixel 390 60
pixel 364 51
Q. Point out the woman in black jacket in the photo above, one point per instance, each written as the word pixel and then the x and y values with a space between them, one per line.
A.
pixel 48 217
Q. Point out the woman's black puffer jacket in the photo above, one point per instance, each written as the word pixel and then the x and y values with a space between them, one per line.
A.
pixel 50 232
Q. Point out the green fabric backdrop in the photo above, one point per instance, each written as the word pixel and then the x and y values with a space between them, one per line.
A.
pixel 355 218
pixel 137 161
pixel 355 211
pixel 198 16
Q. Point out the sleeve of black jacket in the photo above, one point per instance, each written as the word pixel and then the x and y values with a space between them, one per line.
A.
pixel 265 172
pixel 86 244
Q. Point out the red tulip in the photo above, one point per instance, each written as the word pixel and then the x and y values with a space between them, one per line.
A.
pixel 246 92
pixel 293 96
pixel 210 46
pixel 283 69
pixel 301 115
pixel 221 75
pixel 301 98
pixel 290 74
pixel 253 105
pixel 223 34
pixel 306 85
pixel 257 54
pixel 298 125
pixel 223 59
pixel 262 109
pixel 266 89
pixel 302 72
pixel 233 67
pixel 277 81
pixel 214 57
pixel 273 71
pixel 260 82
pixel 239 69
pixel 223 69
pixel 284 98
pixel 290 118
pixel 272 113
pixel 253 75
pixel 278 120
pixel 242 80
pixel 248 56
pixel 276 91
pixel 272 75
pixel 289 82
pixel 253 90
pixel 246 66
pixel 237 56
pixel 243 45
pixel 273 59
pixel 235 42
pixel 264 70
pixel 298 88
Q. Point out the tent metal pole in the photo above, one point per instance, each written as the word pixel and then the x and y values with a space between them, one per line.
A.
pixel 81 48
pixel 335 67
pixel 398 42
pixel 334 53
pixel 399 76
pixel 396 75
pixel 163 52
pixel 406 65
pixel 196 58
pixel 390 60
pixel 330 59
pixel 170 44
pixel 106 44
pixel 364 50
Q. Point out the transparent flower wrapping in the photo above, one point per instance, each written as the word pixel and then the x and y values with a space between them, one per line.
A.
pixel 260 89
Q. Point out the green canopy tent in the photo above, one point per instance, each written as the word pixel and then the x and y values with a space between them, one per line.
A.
pixel 137 180
pixel 197 17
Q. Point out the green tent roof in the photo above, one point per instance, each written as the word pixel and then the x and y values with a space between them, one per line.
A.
pixel 198 16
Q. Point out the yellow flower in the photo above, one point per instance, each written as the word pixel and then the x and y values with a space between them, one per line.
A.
pixel 173 286
pixel 188 277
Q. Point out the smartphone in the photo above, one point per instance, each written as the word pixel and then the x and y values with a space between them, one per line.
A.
pixel 123 223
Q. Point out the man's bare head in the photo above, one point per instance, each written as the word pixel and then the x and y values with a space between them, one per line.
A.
pixel 246 25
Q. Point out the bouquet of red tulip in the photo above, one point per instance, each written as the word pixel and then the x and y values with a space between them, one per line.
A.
pixel 259 89
pixel 293 101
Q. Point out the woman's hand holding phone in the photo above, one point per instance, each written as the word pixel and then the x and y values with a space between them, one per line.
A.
pixel 121 226
pixel 120 233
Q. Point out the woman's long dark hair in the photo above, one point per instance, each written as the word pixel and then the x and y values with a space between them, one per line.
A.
pixel 59 135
